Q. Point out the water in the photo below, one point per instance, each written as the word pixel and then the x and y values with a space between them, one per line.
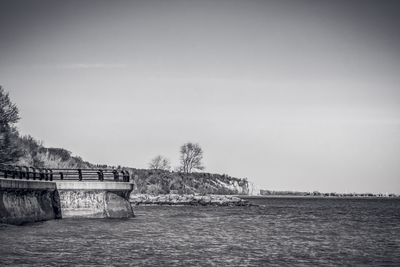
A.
pixel 282 232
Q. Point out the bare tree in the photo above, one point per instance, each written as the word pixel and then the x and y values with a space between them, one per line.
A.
pixel 160 163
pixel 191 156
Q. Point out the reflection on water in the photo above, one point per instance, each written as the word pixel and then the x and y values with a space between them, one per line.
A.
pixel 280 232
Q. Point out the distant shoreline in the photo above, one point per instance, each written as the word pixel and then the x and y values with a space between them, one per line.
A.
pixel 316 197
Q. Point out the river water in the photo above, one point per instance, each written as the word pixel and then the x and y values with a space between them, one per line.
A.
pixel 280 232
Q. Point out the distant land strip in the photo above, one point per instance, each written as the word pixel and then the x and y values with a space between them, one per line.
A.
pixel 267 193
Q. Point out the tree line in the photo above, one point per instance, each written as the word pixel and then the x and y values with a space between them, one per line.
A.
pixel 191 155
pixel 10 151
pixel 26 150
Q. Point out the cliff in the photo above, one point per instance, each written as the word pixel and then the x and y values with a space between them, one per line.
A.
pixel 165 182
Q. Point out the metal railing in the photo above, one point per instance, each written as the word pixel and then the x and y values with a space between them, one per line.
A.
pixel 51 174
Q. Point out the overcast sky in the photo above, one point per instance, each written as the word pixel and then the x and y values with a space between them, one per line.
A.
pixel 294 95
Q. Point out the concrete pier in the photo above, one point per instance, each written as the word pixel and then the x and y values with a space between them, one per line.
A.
pixel 29 194
pixel 23 201
pixel 95 199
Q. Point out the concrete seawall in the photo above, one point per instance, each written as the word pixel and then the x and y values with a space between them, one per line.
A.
pixel 95 199
pixel 23 201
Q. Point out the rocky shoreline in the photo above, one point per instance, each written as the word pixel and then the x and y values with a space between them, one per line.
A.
pixel 187 200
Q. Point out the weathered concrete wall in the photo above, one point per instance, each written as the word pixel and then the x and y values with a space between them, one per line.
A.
pixel 23 201
pixel 95 199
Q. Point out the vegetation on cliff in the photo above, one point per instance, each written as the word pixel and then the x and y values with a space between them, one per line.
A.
pixel 25 150
pixel 9 148
pixel 35 154
pixel 166 182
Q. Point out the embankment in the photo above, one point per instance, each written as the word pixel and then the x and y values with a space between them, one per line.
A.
pixel 192 200
pixel 23 201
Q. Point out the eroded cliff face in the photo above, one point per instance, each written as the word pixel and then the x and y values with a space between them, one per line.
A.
pixel 19 206
pixel 94 204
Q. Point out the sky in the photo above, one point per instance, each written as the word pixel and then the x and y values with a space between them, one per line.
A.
pixel 293 95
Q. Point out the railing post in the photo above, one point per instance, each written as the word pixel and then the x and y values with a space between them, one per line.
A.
pixel 14 173
pixel 116 175
pixel 34 173
pixel 47 174
pixel 125 176
pixel 61 176
pixel 51 175
pixel 101 175
pixel 26 172
pixel 41 175
pixel 20 173
pixel 80 174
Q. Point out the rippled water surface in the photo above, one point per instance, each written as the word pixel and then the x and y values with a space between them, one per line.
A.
pixel 280 232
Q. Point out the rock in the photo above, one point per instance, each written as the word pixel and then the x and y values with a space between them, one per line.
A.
pixel 205 200
pixel 192 200
pixel 117 207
